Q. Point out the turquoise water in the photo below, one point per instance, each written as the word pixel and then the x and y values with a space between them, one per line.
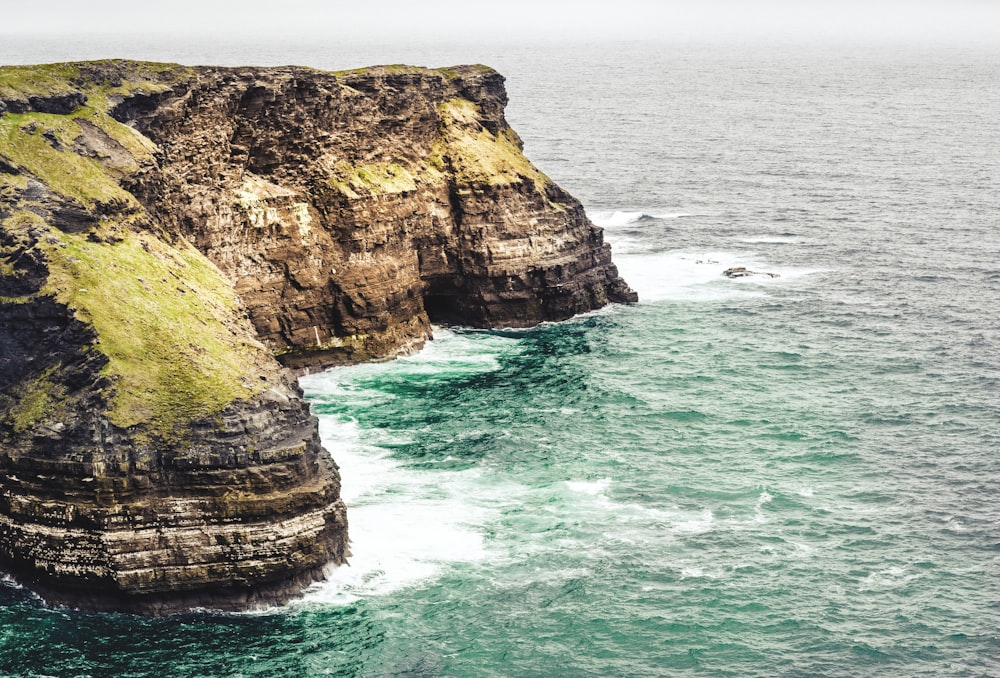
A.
pixel 769 476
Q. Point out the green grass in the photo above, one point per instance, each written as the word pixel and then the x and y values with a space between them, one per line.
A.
pixel 87 180
pixel 173 330
pixel 167 320
pixel 41 80
pixel 84 179
pixel 452 72
pixel 463 147
pixel 33 401
pixel 476 155
pixel 377 179
pixel 388 69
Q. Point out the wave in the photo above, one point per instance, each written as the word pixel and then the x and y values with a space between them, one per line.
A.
pixel 10 582
pixel 450 353
pixel 626 217
pixel 593 488
pixel 407 525
pixel 770 240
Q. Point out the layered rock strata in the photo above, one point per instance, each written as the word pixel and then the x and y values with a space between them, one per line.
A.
pixel 167 232
pixel 351 209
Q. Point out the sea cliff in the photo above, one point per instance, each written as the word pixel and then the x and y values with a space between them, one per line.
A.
pixel 174 239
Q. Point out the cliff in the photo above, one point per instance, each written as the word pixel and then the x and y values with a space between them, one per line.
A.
pixel 169 234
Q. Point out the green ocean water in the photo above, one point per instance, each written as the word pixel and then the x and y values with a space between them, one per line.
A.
pixel 791 476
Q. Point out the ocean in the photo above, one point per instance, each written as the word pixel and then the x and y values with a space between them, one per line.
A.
pixel 766 476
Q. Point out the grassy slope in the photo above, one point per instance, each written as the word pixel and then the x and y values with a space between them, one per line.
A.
pixel 169 323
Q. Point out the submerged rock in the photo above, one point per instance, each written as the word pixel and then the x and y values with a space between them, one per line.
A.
pixel 169 234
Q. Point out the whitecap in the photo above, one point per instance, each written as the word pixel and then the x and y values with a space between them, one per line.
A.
pixel 591 487
pixel 619 218
pixel 697 572
pixel 8 580
pixel 802 549
pixel 626 217
pixel 888 578
pixel 699 525
pixel 451 353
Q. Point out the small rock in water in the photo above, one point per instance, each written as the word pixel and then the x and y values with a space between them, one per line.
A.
pixel 742 272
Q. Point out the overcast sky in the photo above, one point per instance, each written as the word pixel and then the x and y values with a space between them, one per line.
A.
pixel 909 20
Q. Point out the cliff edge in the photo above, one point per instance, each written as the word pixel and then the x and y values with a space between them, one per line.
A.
pixel 172 239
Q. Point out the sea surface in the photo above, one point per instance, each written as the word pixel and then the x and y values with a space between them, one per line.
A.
pixel 788 476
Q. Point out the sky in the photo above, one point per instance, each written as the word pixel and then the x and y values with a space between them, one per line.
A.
pixel 894 20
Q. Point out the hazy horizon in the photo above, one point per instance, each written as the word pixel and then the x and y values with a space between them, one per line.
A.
pixel 925 21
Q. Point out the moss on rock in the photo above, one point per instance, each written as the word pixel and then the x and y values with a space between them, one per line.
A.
pixel 377 179
pixel 476 155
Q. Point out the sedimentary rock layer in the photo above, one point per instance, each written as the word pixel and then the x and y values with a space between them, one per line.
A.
pixel 167 232
pixel 350 209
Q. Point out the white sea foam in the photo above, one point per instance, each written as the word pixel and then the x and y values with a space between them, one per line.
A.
pixel 448 353
pixel 698 572
pixel 802 549
pixel 9 581
pixel 681 275
pixel 626 217
pixel 763 498
pixel 700 524
pixel 888 578
pixel 591 487
pixel 620 218
pixel 696 275
pixel 407 525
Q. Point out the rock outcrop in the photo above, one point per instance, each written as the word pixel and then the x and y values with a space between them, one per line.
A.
pixel 167 233
pixel 743 272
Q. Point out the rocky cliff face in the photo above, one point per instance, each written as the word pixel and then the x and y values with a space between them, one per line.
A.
pixel 166 232
pixel 350 209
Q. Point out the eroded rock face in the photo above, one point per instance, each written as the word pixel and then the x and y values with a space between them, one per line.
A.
pixel 166 233
pixel 352 209
pixel 106 508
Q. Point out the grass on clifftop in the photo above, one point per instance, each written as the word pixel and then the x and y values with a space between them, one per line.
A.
pixel 168 321
pixel 475 154
pixel 80 162
pixel 464 147
pixel 42 144
pixel 107 77
pixel 41 80
pixel 178 345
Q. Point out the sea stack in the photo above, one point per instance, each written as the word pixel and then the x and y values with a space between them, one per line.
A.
pixel 175 241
